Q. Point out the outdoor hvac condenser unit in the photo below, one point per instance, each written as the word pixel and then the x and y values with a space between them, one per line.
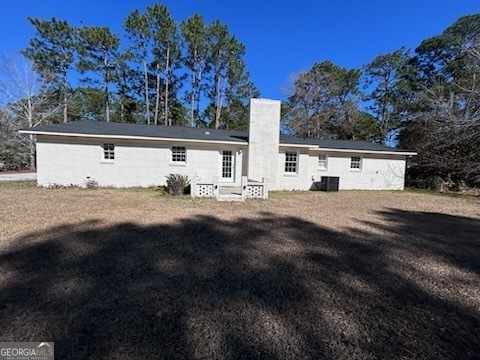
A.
pixel 329 183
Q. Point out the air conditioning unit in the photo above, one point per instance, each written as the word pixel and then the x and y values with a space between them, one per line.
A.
pixel 329 183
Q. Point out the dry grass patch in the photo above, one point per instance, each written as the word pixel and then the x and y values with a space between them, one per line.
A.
pixel 131 274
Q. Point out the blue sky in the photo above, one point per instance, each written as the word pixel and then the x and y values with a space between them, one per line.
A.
pixel 282 37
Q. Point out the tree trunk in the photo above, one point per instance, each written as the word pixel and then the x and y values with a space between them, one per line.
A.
pixel 124 96
pixel 147 105
pixel 227 124
pixel 199 89
pixel 194 88
pixel 29 112
pixel 167 72
pixel 31 152
pixel 122 109
pixel 31 143
pixel 385 115
pixel 157 98
pixel 65 96
pixel 107 102
pixel 218 100
pixel 192 100
pixel 218 92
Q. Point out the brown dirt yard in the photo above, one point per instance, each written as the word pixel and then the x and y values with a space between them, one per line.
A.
pixel 131 274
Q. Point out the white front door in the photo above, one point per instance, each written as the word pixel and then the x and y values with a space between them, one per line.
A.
pixel 228 166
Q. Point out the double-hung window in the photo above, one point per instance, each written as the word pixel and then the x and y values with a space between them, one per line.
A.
pixel 179 155
pixel 322 162
pixel 109 152
pixel 291 162
pixel 356 163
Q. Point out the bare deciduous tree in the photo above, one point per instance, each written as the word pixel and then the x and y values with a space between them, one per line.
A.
pixel 446 132
pixel 26 101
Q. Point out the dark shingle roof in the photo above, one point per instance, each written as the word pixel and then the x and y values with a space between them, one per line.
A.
pixel 339 144
pixel 189 133
pixel 142 130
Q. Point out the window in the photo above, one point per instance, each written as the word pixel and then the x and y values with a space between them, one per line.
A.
pixel 291 161
pixel 356 163
pixel 179 154
pixel 108 152
pixel 322 162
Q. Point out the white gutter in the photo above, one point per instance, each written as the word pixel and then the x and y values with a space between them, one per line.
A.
pixel 406 153
pixel 313 148
pixel 296 145
pixel 128 137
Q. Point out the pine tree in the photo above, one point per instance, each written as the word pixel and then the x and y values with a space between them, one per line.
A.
pixel 123 76
pixel 52 51
pixel 384 77
pixel 97 55
pixel 228 81
pixel 138 29
pixel 166 53
pixel 194 33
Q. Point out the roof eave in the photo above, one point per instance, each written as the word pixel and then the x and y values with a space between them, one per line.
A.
pixel 131 137
pixel 386 152
pixel 296 145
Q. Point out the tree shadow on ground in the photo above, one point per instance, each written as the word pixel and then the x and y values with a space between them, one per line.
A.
pixel 270 287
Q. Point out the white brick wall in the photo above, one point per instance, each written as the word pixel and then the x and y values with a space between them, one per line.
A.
pixel 379 172
pixel 289 181
pixel 65 161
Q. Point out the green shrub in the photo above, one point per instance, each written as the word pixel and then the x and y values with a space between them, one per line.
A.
pixel 13 159
pixel 439 183
pixel 435 183
pixel 177 184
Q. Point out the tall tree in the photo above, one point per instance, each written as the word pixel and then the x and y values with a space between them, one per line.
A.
pixel 88 103
pixel 384 80
pixel 239 92
pixel 123 76
pixel 195 36
pixel 138 29
pixel 228 81
pixel 444 124
pixel 220 48
pixel 324 102
pixel 52 50
pixel 26 100
pixel 166 52
pixel 366 127
pixel 97 55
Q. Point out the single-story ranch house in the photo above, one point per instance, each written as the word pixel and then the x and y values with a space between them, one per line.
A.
pixel 127 155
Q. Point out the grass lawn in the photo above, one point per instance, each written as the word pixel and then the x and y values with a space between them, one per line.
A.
pixel 130 274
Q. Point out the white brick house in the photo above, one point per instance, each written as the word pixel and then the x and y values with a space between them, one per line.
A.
pixel 126 155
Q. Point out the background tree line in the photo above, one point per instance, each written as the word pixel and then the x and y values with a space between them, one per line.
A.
pixel 426 100
pixel 158 71
pixel 192 73
pixel 143 76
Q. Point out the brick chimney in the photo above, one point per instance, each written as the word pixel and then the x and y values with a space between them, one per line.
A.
pixel 263 140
